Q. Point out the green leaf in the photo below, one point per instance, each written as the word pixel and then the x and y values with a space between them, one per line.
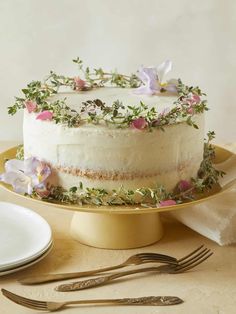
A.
pixel 73 189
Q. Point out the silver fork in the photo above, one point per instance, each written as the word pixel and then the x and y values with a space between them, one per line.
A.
pixel 54 306
pixel 188 262
pixel 136 259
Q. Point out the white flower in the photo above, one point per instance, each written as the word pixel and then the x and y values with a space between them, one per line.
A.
pixel 153 79
pixel 25 175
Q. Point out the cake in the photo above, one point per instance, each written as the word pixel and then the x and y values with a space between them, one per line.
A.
pixel 106 157
pixel 109 138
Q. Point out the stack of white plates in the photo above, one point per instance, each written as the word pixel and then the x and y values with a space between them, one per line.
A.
pixel 25 238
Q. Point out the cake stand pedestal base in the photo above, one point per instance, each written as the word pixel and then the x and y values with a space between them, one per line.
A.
pixel 116 231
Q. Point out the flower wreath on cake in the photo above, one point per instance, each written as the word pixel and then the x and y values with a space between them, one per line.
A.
pixel 106 138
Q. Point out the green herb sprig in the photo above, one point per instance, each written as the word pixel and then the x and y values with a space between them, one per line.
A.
pixel 95 111
pixel 98 77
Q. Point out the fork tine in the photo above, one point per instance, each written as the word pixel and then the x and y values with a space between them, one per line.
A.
pixel 199 261
pixel 170 257
pixel 33 307
pixel 190 254
pixel 25 304
pixel 33 304
pixel 146 256
pixel 28 305
pixel 6 292
pixel 193 257
pixel 193 261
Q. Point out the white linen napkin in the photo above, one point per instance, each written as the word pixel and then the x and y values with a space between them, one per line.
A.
pixel 215 218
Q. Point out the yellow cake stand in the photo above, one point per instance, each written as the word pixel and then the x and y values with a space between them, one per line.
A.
pixel 125 227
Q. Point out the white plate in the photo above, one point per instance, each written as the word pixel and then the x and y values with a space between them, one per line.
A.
pixel 24 235
pixel 24 266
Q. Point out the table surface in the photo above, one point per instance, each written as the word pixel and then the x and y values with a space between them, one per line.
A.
pixel 210 288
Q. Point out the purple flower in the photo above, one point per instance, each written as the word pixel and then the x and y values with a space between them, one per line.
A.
pixel 25 175
pixel 167 203
pixel 153 79
pixel 149 78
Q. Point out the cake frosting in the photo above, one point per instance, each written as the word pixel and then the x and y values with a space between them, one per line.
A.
pixel 106 138
pixel 107 157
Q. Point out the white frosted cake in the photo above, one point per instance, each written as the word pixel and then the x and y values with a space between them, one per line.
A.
pixel 112 139
pixel 107 157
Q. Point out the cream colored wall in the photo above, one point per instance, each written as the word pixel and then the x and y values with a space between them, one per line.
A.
pixel 198 36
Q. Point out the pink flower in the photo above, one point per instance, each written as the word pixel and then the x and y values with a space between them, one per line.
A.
pixel 192 99
pixel 196 98
pixel 42 191
pixel 30 106
pixel 167 203
pixel 45 115
pixel 78 83
pixel 190 110
pixel 139 123
pixel 184 185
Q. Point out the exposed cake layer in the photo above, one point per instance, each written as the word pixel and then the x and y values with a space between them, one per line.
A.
pixel 166 179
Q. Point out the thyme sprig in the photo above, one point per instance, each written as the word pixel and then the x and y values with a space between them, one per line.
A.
pixel 184 90
pixel 121 117
pixel 95 111
pixel 98 77
pixel 146 197
pixel 20 152
pixel 207 174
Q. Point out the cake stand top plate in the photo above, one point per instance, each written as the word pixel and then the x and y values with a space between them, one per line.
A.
pixel 222 157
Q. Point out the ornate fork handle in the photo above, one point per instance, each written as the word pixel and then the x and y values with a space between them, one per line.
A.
pixel 98 281
pixel 150 300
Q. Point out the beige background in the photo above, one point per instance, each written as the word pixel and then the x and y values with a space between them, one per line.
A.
pixel 198 36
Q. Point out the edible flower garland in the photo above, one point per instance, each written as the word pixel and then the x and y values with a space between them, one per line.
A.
pixel 38 99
